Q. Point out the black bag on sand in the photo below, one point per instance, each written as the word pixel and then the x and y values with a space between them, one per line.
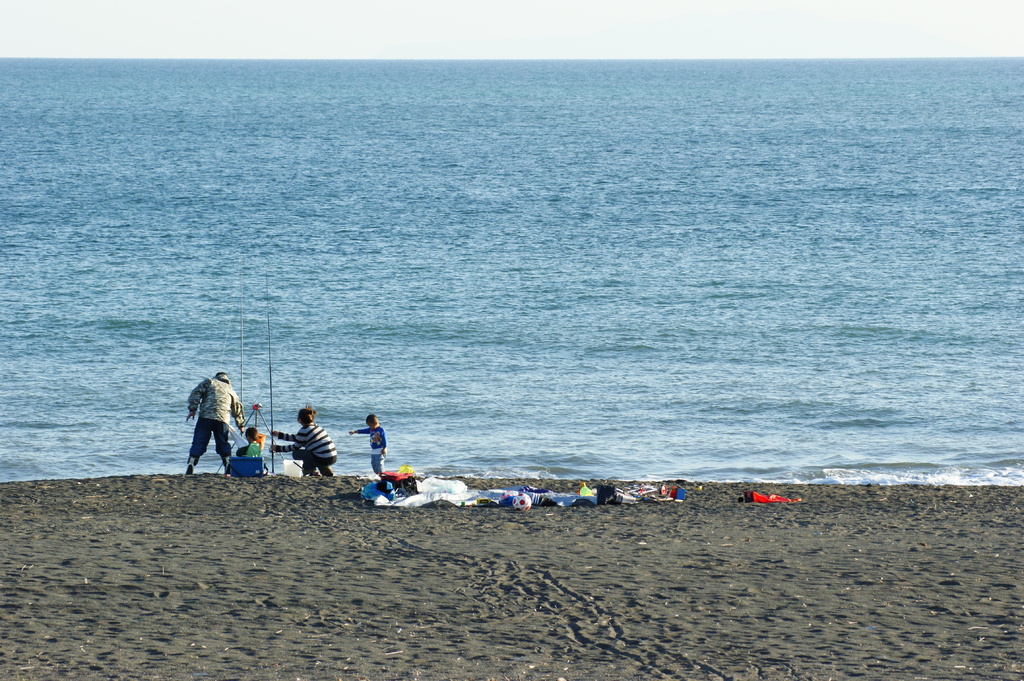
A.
pixel 606 495
pixel 403 481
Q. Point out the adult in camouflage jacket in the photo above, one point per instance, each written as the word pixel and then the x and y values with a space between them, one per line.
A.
pixel 216 403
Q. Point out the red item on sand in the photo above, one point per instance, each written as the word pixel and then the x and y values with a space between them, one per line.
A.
pixel 395 478
pixel 759 498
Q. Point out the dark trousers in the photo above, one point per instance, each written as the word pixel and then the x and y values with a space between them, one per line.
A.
pixel 311 462
pixel 201 438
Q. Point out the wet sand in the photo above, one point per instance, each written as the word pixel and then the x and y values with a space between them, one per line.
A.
pixel 203 577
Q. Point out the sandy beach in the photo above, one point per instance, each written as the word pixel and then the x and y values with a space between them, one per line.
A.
pixel 206 577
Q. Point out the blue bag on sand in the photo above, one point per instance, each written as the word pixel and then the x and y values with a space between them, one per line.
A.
pixel 378 489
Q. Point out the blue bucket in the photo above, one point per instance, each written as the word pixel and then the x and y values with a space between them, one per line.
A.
pixel 245 466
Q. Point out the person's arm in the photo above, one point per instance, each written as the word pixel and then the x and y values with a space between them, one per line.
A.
pixel 383 443
pixel 274 447
pixel 361 431
pixel 195 398
pixel 238 413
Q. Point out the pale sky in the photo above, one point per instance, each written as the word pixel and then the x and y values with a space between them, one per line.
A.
pixel 517 29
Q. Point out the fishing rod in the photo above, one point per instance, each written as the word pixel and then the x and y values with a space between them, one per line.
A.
pixel 241 334
pixel 256 414
pixel 241 357
pixel 270 369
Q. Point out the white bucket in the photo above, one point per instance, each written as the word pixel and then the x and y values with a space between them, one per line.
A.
pixel 292 468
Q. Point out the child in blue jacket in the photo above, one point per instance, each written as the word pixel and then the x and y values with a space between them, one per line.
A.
pixel 378 442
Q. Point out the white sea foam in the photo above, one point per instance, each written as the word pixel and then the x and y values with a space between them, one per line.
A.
pixel 951 475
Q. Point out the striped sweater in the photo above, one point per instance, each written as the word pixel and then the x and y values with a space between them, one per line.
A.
pixel 313 438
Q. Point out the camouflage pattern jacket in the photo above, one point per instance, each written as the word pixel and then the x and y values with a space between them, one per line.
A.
pixel 215 399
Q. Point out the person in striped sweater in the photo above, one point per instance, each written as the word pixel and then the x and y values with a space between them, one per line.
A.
pixel 311 445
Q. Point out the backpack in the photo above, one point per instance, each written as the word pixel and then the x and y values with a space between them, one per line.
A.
pixel 403 481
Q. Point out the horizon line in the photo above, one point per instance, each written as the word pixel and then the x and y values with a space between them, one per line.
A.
pixel 515 59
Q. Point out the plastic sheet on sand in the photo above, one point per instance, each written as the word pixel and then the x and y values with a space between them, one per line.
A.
pixel 456 492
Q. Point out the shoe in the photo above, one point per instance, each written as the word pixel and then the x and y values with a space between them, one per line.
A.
pixel 191 467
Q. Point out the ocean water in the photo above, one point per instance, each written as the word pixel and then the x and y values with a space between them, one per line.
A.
pixel 715 270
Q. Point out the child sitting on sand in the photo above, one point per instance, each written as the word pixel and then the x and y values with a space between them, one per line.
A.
pixel 378 442
pixel 255 446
